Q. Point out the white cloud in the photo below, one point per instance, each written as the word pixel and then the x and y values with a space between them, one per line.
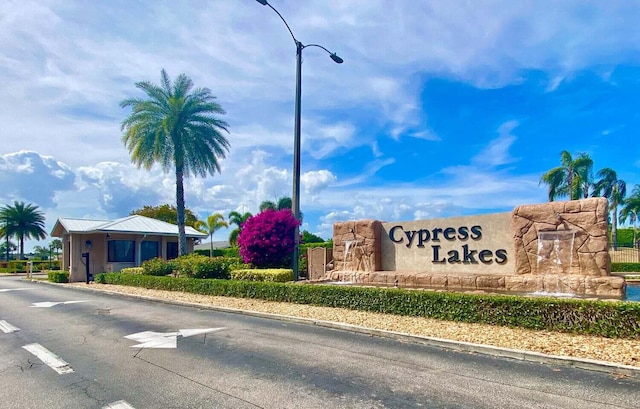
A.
pixel 497 152
pixel 316 181
pixel 28 176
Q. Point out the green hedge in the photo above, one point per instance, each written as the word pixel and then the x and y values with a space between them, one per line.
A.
pixel 58 276
pixel 608 319
pixel 280 275
pixel 132 270
pixel 625 267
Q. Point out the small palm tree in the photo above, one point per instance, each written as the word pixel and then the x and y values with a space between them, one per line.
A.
pixel 630 210
pixel 6 248
pixel 614 189
pixel 176 127
pixel 237 219
pixel 268 205
pixel 56 244
pixel 22 221
pixel 214 222
pixel 283 203
pixel 572 178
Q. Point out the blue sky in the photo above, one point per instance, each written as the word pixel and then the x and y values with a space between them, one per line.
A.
pixel 439 109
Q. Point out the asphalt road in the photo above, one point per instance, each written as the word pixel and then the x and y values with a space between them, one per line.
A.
pixel 249 362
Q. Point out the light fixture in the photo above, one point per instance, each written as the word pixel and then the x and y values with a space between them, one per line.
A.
pixel 88 245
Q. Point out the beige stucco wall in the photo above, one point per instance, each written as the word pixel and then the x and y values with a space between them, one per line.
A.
pixel 74 246
pixel 488 235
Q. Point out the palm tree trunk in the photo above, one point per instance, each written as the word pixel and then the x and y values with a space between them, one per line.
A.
pixel 22 247
pixel 211 243
pixel 614 230
pixel 633 214
pixel 182 238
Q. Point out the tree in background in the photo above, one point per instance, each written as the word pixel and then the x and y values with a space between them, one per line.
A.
pixel 214 222
pixel 267 239
pixel 6 248
pixel 311 238
pixel 283 203
pixel 614 189
pixel 237 219
pixel 22 221
pixel 630 210
pixel 573 178
pixel 41 252
pixel 178 128
pixel 166 213
pixel 56 245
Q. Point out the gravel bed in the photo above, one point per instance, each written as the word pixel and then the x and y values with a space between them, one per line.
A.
pixel 619 351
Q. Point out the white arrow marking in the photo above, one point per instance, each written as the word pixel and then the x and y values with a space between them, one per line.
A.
pixel 4 290
pixel 7 328
pixel 49 358
pixel 152 339
pixel 49 304
pixel 121 404
pixel 191 332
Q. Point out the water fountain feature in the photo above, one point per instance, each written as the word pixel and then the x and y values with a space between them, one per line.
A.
pixel 554 258
pixel 348 250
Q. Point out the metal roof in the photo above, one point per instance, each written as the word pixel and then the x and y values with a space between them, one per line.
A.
pixel 131 224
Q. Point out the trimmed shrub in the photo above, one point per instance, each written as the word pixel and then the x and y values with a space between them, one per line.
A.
pixel 280 275
pixel 132 270
pixel 601 318
pixel 197 266
pixel 216 252
pixel 58 276
pixel 229 252
pixel 625 267
pixel 267 239
pixel 157 267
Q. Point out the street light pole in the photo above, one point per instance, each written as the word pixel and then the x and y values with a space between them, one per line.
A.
pixel 295 199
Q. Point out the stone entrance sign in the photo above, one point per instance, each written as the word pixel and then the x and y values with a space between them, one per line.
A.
pixel 557 247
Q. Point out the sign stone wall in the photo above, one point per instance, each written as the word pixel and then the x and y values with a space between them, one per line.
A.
pixel 495 252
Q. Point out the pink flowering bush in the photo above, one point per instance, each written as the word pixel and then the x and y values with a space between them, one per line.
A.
pixel 266 239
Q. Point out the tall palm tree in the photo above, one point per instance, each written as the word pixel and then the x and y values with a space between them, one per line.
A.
pixel 237 219
pixel 630 210
pixel 614 189
pixel 176 127
pixel 22 221
pixel 572 178
pixel 214 222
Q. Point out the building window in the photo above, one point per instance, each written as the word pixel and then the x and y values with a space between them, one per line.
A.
pixel 172 250
pixel 121 251
pixel 149 250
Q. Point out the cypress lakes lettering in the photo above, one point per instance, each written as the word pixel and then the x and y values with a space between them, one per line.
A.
pixel 465 255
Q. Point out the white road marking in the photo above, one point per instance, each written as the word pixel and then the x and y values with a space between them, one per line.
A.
pixel 52 360
pixel 49 304
pixel 151 339
pixel 7 328
pixel 121 404
pixel 4 290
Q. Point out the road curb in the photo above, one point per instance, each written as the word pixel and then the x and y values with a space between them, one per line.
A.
pixel 518 354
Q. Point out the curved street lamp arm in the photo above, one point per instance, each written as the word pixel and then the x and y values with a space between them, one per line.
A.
pixel 334 56
pixel 285 23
